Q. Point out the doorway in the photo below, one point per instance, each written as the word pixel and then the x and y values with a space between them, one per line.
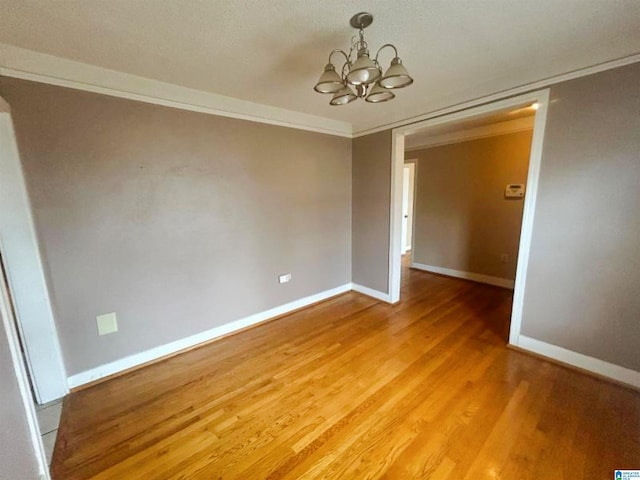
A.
pixel 408 192
pixel 538 99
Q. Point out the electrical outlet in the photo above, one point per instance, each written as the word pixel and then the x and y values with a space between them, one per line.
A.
pixel 284 278
pixel 504 258
pixel 107 323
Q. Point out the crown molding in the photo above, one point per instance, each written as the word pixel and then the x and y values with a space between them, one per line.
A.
pixel 547 82
pixel 26 64
pixel 501 128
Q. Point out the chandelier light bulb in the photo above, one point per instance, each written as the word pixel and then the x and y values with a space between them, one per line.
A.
pixel 363 71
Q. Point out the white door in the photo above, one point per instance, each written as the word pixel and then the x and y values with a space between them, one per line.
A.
pixel 408 178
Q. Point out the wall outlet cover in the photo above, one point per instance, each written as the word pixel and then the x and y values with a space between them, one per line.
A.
pixel 284 278
pixel 107 323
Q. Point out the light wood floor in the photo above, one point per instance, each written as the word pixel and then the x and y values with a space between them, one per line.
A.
pixel 356 389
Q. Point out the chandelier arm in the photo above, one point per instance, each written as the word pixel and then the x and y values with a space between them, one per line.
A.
pixel 342 73
pixel 337 50
pixel 384 46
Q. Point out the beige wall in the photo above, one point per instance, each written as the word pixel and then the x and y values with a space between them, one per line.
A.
pixel 583 282
pixel 17 459
pixel 177 221
pixel 370 204
pixel 584 269
pixel 462 219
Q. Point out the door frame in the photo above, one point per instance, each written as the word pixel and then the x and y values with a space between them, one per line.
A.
pixel 24 386
pixel 25 272
pixel 541 97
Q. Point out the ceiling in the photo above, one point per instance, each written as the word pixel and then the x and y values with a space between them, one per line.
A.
pixel 272 52
pixel 505 121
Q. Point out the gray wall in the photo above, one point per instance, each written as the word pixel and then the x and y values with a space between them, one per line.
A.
pixel 462 219
pixel 17 459
pixel 370 204
pixel 583 283
pixel 177 221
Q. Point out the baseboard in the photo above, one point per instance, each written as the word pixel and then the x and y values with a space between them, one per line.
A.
pixel 169 349
pixel 370 292
pixel 476 277
pixel 582 362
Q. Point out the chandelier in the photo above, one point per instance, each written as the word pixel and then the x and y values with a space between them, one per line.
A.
pixel 363 73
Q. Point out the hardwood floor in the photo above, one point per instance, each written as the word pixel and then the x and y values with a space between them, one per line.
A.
pixel 356 389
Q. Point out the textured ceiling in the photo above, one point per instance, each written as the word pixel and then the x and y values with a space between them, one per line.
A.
pixel 272 52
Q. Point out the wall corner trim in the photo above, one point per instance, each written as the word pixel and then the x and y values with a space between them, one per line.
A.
pixel 583 362
pixel 476 277
pixel 139 359
pixel 39 67
pixel 370 292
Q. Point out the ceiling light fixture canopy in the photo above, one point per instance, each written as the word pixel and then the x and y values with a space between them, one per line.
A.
pixel 362 72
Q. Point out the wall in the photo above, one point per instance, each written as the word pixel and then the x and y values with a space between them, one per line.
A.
pixel 462 219
pixel 584 270
pixel 370 206
pixel 17 460
pixel 177 221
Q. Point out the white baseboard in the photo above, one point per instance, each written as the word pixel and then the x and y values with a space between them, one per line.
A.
pixel 371 292
pixel 584 362
pixel 476 277
pixel 137 359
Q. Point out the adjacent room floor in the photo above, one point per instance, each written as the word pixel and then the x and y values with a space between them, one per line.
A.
pixel 48 421
pixel 351 389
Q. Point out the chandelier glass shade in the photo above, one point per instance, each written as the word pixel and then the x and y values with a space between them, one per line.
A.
pixel 343 96
pixel 362 73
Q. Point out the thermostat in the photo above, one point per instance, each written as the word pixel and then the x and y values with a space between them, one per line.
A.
pixel 514 190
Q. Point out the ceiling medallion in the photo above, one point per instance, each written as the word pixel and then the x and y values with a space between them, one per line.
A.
pixel 362 73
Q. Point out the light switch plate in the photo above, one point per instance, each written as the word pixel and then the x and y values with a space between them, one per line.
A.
pixel 107 323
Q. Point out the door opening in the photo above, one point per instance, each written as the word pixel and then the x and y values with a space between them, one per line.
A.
pixel 408 190
pixel 536 101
